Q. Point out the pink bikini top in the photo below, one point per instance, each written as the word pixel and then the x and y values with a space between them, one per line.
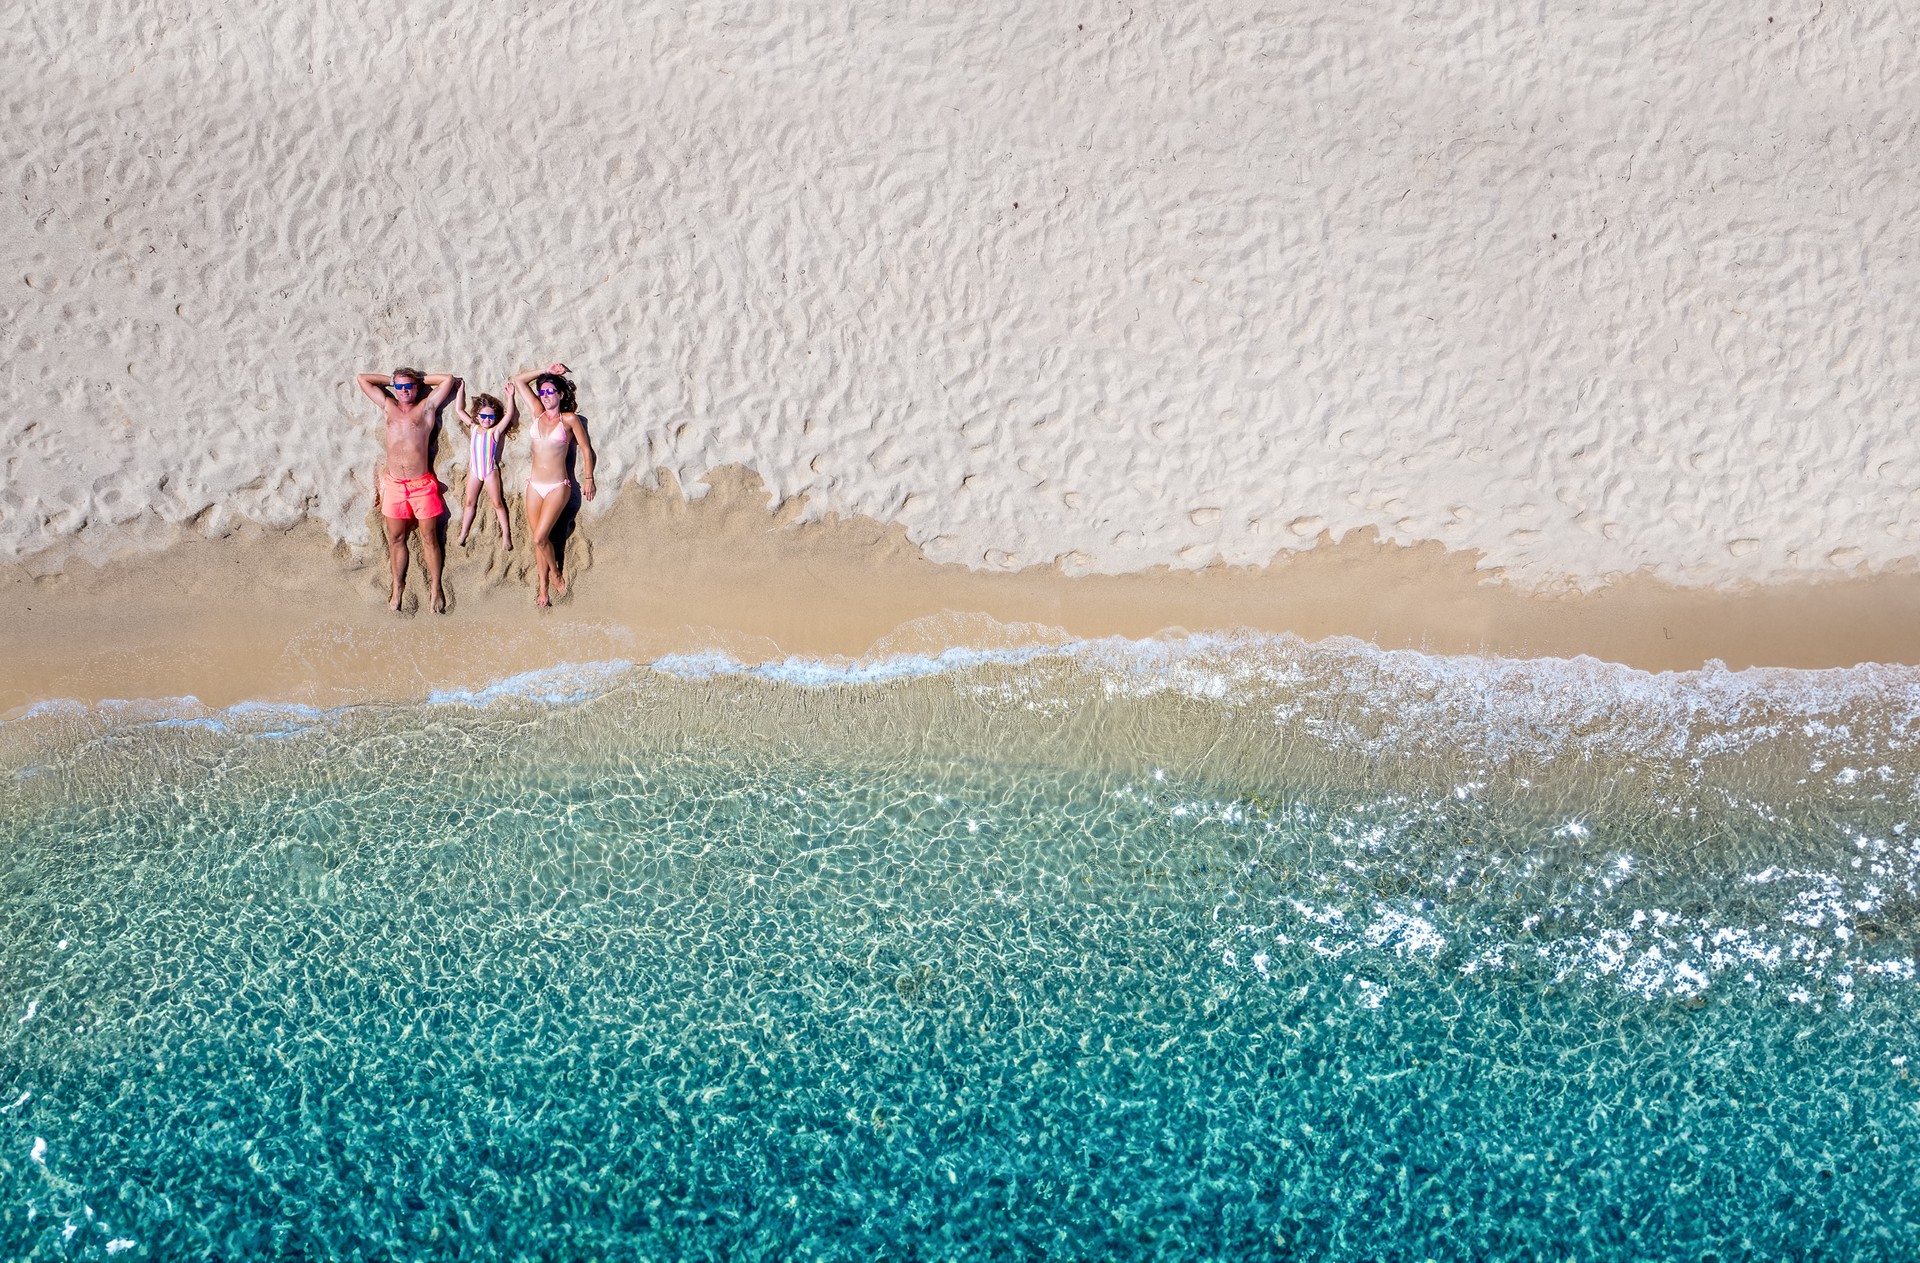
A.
pixel 559 437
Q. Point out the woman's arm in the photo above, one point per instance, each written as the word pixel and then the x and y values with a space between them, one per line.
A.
pixel 519 387
pixel 556 368
pixel 578 424
pixel 522 389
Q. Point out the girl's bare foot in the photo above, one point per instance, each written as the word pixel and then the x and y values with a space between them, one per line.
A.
pixel 462 541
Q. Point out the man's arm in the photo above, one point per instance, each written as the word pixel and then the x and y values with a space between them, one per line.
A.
pixel 374 386
pixel 443 386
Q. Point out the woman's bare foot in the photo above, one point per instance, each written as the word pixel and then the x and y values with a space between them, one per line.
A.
pixel 393 601
pixel 540 599
pixel 559 584
pixel 439 600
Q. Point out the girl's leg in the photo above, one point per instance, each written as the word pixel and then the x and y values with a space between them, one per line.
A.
pixel 471 499
pixel 500 508
pixel 542 513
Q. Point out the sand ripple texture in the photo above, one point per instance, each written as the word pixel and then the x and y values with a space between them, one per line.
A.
pixel 1596 290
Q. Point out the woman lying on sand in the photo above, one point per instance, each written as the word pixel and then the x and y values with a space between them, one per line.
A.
pixel 490 424
pixel 553 431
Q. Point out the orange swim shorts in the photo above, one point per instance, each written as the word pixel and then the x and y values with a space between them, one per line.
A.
pixel 405 498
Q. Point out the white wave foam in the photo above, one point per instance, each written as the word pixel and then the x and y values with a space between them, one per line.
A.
pixel 1347 693
pixel 828 673
pixel 252 719
pixel 1356 695
pixel 563 685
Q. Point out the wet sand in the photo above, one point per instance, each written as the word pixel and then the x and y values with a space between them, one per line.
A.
pixel 286 616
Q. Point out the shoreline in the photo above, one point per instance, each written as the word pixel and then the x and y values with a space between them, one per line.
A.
pixel 286 616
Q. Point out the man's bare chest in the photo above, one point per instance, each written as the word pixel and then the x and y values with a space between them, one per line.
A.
pixel 405 427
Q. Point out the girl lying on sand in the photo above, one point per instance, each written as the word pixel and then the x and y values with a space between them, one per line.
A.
pixel 490 424
pixel 555 428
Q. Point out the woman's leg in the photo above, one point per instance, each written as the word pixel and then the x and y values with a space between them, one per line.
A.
pixel 542 513
pixel 500 508
pixel 471 499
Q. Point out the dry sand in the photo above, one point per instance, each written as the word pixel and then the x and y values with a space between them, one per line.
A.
pixel 1585 291
pixel 1064 314
pixel 285 616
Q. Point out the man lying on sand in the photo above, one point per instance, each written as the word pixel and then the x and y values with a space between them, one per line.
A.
pixel 409 492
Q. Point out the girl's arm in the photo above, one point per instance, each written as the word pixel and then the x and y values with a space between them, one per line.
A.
pixel 511 408
pixel 460 405
pixel 578 424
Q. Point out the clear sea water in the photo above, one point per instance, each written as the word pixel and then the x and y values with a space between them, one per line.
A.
pixel 1200 950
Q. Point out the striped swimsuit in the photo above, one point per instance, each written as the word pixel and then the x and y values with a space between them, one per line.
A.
pixel 483 452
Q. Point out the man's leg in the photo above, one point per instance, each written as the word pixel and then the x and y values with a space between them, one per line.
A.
pixel 397 528
pixel 430 549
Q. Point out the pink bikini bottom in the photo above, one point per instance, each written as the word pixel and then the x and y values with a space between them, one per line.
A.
pixel 545 489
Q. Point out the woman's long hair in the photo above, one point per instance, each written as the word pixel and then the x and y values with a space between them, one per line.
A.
pixel 560 384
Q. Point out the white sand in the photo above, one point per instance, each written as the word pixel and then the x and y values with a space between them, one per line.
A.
pixel 1589 290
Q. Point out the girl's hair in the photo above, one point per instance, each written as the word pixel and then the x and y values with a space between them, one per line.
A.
pixel 561 384
pixel 499 410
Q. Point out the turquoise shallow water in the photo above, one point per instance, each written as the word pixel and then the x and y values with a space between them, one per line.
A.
pixel 1216 950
